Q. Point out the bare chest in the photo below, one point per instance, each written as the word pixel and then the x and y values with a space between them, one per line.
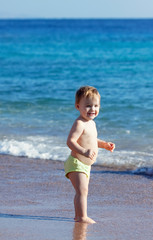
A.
pixel 89 135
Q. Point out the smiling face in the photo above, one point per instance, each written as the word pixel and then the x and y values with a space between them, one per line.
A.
pixel 89 107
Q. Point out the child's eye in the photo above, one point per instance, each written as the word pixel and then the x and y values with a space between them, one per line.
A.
pixel 88 106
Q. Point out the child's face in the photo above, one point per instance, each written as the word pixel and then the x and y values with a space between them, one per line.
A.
pixel 89 107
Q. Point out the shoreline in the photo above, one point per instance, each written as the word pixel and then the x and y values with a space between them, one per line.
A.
pixel 37 202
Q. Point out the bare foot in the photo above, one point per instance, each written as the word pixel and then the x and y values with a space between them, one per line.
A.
pixel 85 220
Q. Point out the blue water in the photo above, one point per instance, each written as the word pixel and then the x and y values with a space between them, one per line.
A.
pixel 43 62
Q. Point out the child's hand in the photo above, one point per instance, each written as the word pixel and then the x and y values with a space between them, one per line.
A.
pixel 109 146
pixel 90 154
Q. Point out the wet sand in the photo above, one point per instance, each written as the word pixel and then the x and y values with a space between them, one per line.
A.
pixel 36 202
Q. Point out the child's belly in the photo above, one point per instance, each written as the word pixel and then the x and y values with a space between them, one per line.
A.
pixel 86 160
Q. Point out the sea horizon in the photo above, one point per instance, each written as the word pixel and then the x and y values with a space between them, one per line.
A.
pixel 74 18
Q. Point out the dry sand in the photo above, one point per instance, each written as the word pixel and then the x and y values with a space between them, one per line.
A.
pixel 36 203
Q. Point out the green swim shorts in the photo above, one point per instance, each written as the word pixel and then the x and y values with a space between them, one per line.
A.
pixel 74 165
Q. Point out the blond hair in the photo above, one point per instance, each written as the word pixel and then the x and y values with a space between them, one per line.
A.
pixel 86 91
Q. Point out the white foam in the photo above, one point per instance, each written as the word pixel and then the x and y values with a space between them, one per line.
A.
pixel 54 148
pixel 144 171
pixel 35 147
pixel 125 159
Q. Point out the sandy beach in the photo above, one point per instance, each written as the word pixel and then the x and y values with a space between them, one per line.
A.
pixel 36 202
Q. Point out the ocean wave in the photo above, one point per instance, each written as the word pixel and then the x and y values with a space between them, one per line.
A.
pixel 148 171
pixel 125 159
pixel 35 147
pixel 54 148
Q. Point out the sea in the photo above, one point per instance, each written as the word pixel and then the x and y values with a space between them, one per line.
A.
pixel 42 64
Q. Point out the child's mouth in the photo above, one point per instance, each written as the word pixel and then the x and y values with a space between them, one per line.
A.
pixel 91 114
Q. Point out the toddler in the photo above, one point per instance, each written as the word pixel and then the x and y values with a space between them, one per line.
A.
pixel 84 144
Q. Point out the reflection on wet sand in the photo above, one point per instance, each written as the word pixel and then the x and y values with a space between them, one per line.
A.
pixel 80 231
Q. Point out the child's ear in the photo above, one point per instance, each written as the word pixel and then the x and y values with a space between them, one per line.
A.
pixel 77 106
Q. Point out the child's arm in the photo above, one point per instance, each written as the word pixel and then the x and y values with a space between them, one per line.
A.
pixel 107 145
pixel 72 141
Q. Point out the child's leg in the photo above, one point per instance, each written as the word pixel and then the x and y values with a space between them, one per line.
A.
pixel 80 183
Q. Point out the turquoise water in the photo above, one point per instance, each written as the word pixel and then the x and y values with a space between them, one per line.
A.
pixel 43 62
